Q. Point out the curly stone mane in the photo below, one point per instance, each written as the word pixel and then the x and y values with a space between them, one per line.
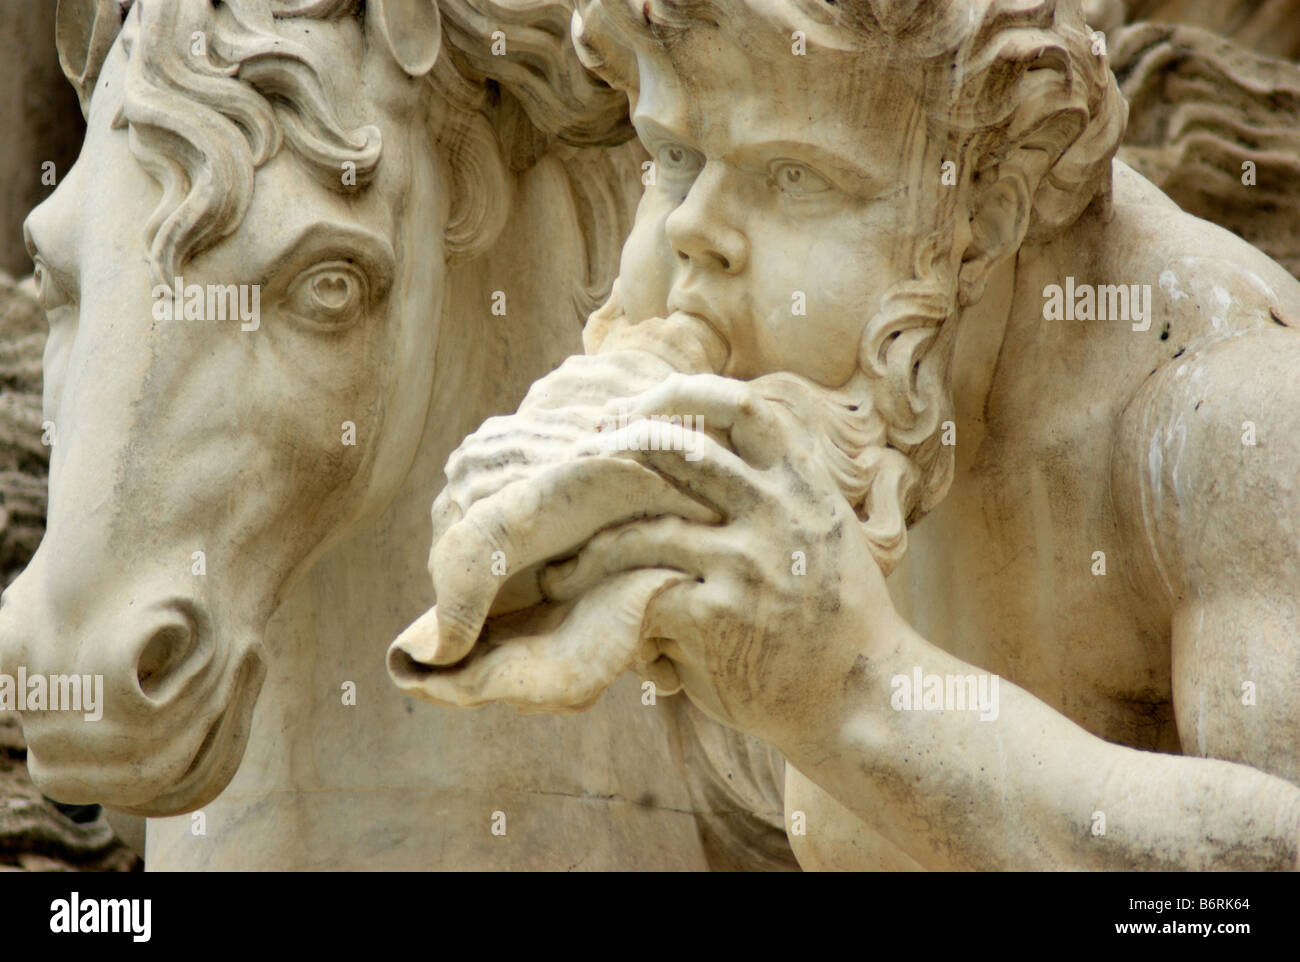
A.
pixel 202 124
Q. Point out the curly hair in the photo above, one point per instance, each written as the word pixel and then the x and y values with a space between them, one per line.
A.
pixel 996 75
pixel 203 124
pixel 1004 82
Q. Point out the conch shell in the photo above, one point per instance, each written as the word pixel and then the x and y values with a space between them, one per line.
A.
pixel 524 650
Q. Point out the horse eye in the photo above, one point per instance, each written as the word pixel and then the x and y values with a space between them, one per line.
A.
pixel 328 295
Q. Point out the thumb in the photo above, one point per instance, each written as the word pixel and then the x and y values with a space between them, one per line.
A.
pixel 557 660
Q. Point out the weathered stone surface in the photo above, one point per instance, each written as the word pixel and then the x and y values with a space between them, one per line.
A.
pixel 947 338
pixel 24 460
pixel 238 510
pixel 34 834
pixel 964 392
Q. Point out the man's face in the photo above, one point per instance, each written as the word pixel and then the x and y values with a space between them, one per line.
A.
pixel 780 207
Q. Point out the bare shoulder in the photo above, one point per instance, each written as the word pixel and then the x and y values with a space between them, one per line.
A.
pixel 1204 280
pixel 1206 465
pixel 1205 476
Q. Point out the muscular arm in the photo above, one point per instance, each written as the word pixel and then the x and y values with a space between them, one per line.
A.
pixel 1217 514
pixel 806 663
pixel 1219 523
pixel 1022 792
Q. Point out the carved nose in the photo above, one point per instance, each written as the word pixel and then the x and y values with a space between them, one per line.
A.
pixel 700 230
pixel 162 657
pixel 715 246
pixel 169 655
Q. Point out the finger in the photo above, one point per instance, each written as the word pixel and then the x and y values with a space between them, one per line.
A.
pixel 702 467
pixel 658 543
pixel 662 674
pixel 516 439
pixel 682 616
pixel 680 621
pixel 488 461
pixel 558 660
pixel 413 671
pixel 722 404
pixel 446 512
pixel 533 521
pixel 418 642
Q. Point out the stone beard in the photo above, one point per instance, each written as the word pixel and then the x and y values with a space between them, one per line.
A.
pixel 889 467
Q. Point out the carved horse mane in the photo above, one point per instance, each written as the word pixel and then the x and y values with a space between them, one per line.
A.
pixel 491 114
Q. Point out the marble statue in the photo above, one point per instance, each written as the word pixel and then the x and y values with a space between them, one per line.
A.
pixel 35 835
pixel 921 438
pixel 307 247
pixel 919 493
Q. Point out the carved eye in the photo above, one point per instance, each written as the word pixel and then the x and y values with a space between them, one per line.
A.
pixel 677 159
pixel 798 179
pixel 329 295
pixel 49 292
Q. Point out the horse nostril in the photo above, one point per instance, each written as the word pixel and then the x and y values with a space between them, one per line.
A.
pixel 162 658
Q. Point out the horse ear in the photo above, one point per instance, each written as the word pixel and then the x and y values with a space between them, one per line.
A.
pixel 84 31
pixel 412 30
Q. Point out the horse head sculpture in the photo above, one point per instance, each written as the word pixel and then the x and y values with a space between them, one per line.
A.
pixel 248 275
